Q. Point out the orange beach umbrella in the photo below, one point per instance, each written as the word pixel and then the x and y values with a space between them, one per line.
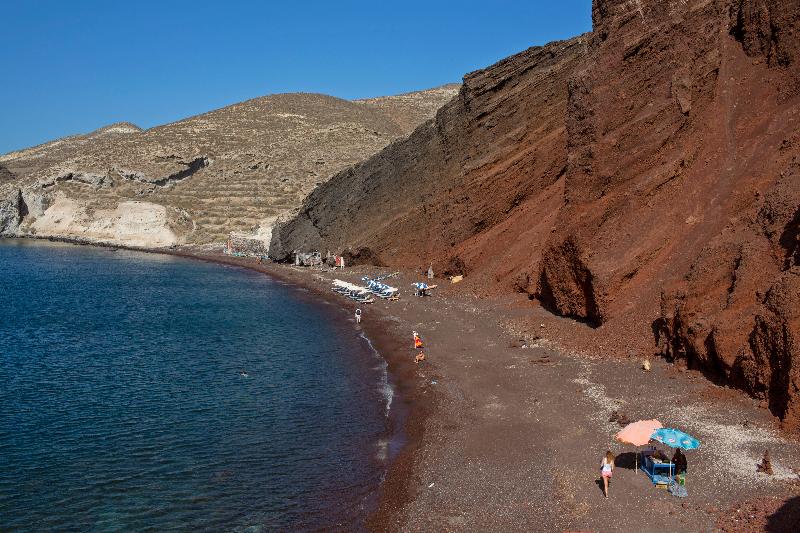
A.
pixel 638 434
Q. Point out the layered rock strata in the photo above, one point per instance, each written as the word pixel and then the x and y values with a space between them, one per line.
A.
pixel 488 159
pixel 642 179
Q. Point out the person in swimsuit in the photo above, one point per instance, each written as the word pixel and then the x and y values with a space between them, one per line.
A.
pixel 606 470
pixel 417 341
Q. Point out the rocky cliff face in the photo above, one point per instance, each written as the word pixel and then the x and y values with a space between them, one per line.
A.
pixel 665 151
pixel 683 183
pixel 735 312
pixel 642 179
pixel 10 213
pixel 490 157
pixel 198 179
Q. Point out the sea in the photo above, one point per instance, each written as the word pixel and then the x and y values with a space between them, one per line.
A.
pixel 147 392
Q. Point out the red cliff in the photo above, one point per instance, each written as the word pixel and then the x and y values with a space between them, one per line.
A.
pixel 644 179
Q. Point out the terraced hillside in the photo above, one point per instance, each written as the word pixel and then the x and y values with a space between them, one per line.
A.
pixel 233 169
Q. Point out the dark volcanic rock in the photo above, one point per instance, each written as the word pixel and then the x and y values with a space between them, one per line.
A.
pixel 682 178
pixel 735 313
pixel 767 28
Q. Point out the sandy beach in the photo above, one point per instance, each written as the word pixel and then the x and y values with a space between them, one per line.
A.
pixel 505 431
pixel 608 192
pixel 502 429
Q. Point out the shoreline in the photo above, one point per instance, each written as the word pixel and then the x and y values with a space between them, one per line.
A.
pixel 504 427
pixel 406 417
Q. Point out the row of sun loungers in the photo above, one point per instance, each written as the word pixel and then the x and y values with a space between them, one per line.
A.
pixel 375 288
pixel 354 292
pixel 381 290
pixel 365 294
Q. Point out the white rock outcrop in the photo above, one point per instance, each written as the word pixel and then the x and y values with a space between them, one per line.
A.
pixel 131 223
pixel 10 213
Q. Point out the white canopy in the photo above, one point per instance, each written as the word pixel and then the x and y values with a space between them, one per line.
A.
pixel 349 286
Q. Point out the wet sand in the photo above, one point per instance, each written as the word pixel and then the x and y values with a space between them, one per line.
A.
pixel 504 431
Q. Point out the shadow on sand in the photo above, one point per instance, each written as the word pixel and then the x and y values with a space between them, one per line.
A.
pixel 599 483
pixel 786 518
pixel 626 460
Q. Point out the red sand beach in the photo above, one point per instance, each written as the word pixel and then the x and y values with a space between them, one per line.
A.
pixel 505 430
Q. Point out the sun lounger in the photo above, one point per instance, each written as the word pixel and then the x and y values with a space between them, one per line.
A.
pixel 386 291
pixel 354 292
pixel 379 289
pixel 421 289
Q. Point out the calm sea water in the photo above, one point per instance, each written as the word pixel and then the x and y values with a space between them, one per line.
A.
pixel 123 406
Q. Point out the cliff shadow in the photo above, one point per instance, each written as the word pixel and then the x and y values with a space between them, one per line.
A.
pixel 786 518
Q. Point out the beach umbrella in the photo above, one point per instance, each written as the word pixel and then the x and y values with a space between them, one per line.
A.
pixel 675 438
pixel 638 434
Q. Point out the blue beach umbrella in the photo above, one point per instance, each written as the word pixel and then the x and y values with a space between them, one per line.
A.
pixel 675 438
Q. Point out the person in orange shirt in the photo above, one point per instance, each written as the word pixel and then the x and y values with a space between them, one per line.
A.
pixel 417 341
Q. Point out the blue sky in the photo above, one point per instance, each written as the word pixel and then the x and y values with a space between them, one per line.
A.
pixel 74 66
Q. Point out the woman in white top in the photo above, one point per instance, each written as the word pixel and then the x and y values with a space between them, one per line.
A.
pixel 606 470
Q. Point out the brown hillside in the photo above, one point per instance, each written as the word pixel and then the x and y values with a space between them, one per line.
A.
pixel 409 110
pixel 642 178
pixel 230 169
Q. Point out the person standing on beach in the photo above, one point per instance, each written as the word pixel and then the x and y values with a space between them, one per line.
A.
pixel 606 470
pixel 358 316
pixel 680 466
pixel 417 341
